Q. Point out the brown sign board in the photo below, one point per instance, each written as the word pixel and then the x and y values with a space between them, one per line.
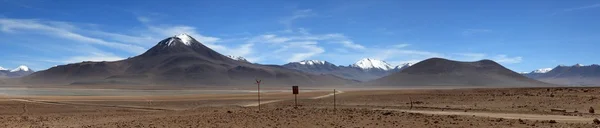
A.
pixel 295 89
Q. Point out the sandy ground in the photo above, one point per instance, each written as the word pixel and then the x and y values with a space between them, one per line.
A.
pixel 516 107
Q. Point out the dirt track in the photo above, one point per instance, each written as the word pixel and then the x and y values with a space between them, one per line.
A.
pixel 538 117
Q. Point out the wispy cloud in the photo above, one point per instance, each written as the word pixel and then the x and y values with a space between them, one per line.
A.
pixel 469 32
pixel 507 60
pixel 582 7
pixel 585 7
pixel 400 45
pixel 62 30
pixel 350 44
pixel 501 58
pixel 298 14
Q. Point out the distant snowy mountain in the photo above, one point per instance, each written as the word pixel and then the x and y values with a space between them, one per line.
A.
pixel 312 66
pixel 368 64
pixel 543 70
pixel 578 74
pixel 403 66
pixel 21 68
pixel 17 72
pixel 312 62
pixel 238 58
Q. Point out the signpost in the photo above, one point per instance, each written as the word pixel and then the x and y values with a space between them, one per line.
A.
pixel 295 92
pixel 258 91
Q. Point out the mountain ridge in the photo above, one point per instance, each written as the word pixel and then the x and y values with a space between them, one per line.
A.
pixel 444 72
pixel 575 75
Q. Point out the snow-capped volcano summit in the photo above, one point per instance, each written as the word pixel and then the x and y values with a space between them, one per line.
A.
pixel 182 44
pixel 21 68
pixel 3 69
pixel 368 63
pixel 183 38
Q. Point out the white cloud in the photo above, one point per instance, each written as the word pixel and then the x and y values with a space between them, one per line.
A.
pixel 62 30
pixel 507 60
pixel 168 31
pixel 269 38
pixel 350 44
pixel 306 50
pixel 400 45
pixel 576 9
pixel 480 56
pixel 582 7
pixel 143 19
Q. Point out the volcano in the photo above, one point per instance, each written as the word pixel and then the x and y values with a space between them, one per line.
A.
pixel 443 72
pixel 179 60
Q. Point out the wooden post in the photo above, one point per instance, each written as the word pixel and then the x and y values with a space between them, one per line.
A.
pixel 258 92
pixel 334 100
pixel 296 100
pixel 411 103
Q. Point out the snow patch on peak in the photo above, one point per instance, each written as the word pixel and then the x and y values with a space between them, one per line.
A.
pixel 578 65
pixel 2 69
pixel 404 65
pixel 20 68
pixel 238 58
pixel 312 62
pixel 368 63
pixel 543 70
pixel 184 38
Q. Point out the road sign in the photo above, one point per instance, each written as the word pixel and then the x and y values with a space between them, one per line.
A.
pixel 295 89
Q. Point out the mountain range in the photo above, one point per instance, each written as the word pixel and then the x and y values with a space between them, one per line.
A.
pixel 182 60
pixel 179 60
pixel 364 70
pixel 576 75
pixel 16 72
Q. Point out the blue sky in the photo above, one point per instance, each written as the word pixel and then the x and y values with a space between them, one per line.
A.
pixel 521 35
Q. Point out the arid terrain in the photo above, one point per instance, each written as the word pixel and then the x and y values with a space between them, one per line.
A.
pixel 505 107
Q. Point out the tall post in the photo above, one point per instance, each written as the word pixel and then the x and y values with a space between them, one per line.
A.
pixel 334 100
pixel 411 103
pixel 295 91
pixel 258 92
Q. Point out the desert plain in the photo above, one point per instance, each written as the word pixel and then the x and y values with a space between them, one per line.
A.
pixel 409 107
